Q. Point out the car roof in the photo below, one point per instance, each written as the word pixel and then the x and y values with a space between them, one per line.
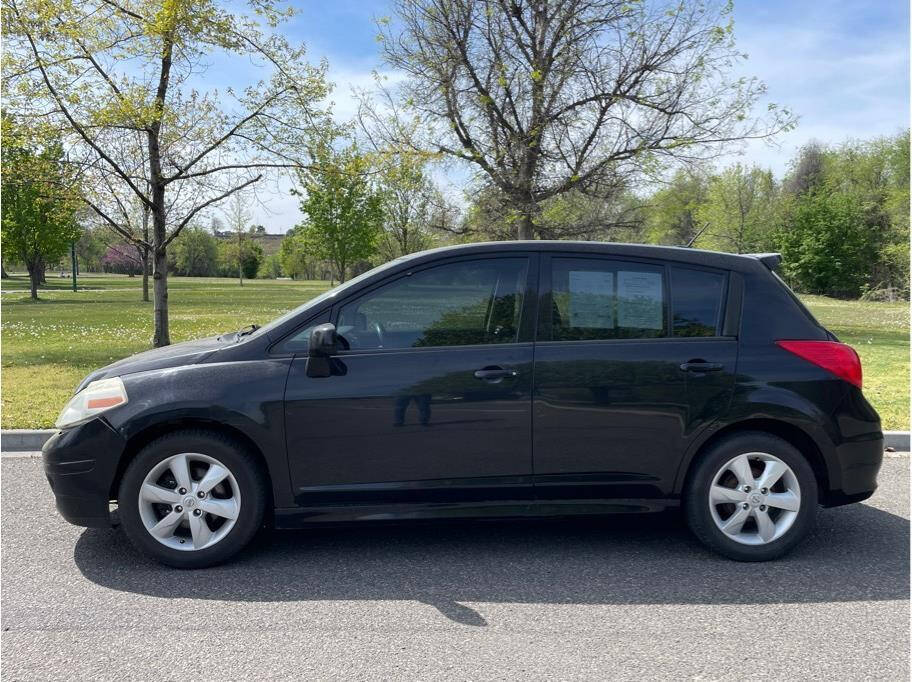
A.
pixel 717 259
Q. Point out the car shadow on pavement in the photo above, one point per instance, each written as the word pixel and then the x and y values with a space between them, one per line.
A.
pixel 857 553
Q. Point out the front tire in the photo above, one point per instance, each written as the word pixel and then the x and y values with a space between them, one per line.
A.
pixel 751 497
pixel 192 499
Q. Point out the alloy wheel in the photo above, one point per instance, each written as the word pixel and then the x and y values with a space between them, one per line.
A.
pixel 754 498
pixel 189 501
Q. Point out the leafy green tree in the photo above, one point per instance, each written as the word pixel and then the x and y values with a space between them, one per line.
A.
pixel 250 260
pixel 825 246
pixel 195 253
pixel 873 176
pixel 410 205
pixel 739 210
pixel 110 72
pixel 271 267
pixel 344 212
pixel 39 201
pixel 875 173
pixel 293 255
pixel 90 248
pixel 670 214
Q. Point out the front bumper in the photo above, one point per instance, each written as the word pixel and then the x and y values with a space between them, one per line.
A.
pixel 80 464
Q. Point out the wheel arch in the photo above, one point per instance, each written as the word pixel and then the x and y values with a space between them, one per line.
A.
pixel 792 434
pixel 141 439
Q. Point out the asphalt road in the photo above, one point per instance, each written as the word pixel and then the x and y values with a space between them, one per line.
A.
pixel 622 598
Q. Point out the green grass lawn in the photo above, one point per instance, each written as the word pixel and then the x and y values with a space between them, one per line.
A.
pixel 48 346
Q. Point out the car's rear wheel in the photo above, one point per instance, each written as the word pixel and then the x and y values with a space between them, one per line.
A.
pixel 192 499
pixel 751 497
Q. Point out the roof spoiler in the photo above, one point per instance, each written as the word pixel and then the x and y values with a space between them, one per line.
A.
pixel 770 260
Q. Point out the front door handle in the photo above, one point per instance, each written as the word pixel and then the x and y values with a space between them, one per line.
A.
pixel 700 366
pixel 494 375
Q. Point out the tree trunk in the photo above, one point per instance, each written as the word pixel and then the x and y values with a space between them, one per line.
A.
pixel 144 254
pixel 162 336
pixel 524 229
pixel 35 270
pixel 3 273
pixel 240 260
pixel 41 273
pixel 145 274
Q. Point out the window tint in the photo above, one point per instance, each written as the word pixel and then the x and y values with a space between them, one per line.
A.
pixel 596 299
pixel 458 304
pixel 696 301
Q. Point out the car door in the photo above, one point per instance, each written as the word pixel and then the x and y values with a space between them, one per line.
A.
pixel 622 381
pixel 431 400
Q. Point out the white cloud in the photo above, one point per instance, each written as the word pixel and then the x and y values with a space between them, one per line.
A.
pixel 841 86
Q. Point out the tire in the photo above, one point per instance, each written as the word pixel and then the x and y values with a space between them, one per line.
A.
pixel 222 517
pixel 790 504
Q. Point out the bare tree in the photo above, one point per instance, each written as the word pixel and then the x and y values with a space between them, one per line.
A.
pixel 238 218
pixel 546 97
pixel 806 172
pixel 105 69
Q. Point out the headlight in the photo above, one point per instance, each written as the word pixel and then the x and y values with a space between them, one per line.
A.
pixel 94 399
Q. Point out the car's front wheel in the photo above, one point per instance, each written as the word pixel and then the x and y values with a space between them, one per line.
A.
pixel 192 499
pixel 752 497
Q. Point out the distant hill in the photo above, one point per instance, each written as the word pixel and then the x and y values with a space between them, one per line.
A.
pixel 270 243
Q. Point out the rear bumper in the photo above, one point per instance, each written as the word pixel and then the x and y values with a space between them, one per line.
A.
pixel 80 464
pixel 856 453
pixel 858 464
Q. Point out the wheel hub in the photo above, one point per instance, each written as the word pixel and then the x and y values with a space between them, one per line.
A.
pixel 189 501
pixel 754 498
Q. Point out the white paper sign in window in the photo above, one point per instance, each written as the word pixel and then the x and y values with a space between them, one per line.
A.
pixel 591 299
pixel 640 300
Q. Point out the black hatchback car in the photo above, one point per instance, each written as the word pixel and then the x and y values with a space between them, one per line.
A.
pixel 510 379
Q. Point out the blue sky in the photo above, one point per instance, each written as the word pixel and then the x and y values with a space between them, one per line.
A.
pixel 842 66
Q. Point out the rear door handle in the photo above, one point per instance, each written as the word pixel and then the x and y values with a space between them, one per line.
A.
pixel 494 374
pixel 699 366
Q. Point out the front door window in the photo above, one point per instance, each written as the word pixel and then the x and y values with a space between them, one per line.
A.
pixel 457 304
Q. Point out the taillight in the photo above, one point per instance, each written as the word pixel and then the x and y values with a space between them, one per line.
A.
pixel 838 358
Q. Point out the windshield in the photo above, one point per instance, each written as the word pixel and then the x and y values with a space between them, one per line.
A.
pixel 279 321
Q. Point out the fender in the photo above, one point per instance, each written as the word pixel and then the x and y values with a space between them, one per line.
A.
pixel 770 403
pixel 248 397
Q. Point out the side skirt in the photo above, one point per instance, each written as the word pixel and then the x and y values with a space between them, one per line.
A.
pixel 302 517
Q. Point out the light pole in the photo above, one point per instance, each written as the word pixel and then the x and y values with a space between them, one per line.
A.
pixel 73 259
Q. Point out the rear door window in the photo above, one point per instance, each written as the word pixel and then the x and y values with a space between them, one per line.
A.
pixel 696 302
pixel 594 299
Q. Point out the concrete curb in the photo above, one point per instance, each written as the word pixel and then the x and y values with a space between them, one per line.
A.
pixel 25 440
pixel 898 440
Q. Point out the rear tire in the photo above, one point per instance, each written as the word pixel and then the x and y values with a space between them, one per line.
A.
pixel 751 497
pixel 188 488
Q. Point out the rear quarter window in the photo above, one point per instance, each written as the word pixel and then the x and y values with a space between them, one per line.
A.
pixel 696 302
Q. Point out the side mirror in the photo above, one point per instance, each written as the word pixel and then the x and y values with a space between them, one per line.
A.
pixel 324 342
